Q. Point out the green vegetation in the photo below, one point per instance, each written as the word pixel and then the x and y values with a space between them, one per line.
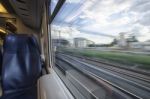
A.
pixel 141 61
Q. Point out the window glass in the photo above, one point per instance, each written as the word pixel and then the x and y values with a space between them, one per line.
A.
pixel 53 5
pixel 112 36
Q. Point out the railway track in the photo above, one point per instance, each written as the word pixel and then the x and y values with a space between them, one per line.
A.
pixel 118 69
pixel 134 89
pixel 131 75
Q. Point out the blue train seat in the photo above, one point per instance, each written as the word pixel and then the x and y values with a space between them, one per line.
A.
pixel 0 62
pixel 21 67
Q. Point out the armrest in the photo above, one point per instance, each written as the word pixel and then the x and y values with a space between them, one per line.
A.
pixel 51 87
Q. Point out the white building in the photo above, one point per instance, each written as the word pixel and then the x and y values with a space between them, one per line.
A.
pixel 82 42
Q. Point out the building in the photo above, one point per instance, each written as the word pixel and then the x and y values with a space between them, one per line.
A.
pixel 82 42
pixel 126 41
pixel 61 42
pixel 122 42
pixel 141 45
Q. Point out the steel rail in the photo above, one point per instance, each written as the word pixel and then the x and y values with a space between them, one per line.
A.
pixel 95 77
pixel 121 70
pixel 113 83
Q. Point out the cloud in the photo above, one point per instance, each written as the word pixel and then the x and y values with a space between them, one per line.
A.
pixel 120 1
pixel 73 1
pixel 141 9
pixel 140 6
pixel 145 19
pixel 109 17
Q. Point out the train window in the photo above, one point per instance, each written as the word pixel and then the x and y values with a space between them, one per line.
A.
pixel 103 48
pixel 53 5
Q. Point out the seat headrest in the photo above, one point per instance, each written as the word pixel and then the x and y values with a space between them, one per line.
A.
pixel 19 43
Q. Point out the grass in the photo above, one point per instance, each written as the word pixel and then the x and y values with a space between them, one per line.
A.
pixel 142 61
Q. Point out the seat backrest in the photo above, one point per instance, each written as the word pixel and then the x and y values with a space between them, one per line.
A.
pixel 21 66
pixel 1 61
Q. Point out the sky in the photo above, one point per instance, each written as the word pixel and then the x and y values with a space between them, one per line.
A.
pixel 102 20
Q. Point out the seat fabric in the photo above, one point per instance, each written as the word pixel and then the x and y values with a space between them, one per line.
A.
pixel 0 62
pixel 21 67
pixel 25 94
